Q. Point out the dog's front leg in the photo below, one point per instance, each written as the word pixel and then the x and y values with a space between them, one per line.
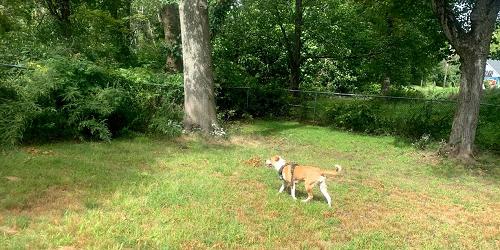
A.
pixel 282 188
pixel 293 191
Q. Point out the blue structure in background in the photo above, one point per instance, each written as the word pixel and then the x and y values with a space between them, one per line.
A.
pixel 492 74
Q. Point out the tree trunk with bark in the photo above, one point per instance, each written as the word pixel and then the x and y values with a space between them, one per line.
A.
pixel 296 58
pixel 199 98
pixel 472 45
pixel 169 15
pixel 466 117
pixel 61 10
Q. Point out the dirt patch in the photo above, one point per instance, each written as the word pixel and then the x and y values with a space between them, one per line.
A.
pixel 359 217
pixel 12 178
pixel 430 158
pixel 67 248
pixel 192 244
pixel 255 161
pixel 54 202
pixel 145 167
pixel 375 184
pixel 238 140
pixel 420 209
pixel 246 141
pixel 412 215
pixel 35 151
pixel 8 230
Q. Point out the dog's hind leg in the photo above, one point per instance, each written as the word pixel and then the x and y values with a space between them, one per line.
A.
pixel 309 189
pixel 293 191
pixel 324 191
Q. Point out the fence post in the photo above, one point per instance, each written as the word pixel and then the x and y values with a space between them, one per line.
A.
pixel 315 104
pixel 248 89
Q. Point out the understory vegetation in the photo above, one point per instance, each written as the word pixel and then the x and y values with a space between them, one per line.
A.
pixel 412 113
pixel 75 98
pixel 102 70
pixel 193 192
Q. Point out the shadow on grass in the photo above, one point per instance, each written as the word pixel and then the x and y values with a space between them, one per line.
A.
pixel 273 127
pixel 300 193
pixel 43 179
pixel 403 142
pixel 487 168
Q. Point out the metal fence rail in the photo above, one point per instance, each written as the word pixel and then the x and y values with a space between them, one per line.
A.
pixel 317 94
pixel 364 95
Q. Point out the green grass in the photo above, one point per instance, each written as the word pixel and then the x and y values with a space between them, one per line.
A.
pixel 194 192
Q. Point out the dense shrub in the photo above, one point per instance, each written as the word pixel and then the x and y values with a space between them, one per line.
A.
pixel 356 116
pixel 488 133
pixel 71 97
pixel 258 101
pixel 409 118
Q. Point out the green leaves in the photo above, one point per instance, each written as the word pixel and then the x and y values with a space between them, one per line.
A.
pixel 72 97
pixel 346 43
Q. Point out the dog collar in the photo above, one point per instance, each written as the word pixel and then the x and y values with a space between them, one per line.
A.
pixel 280 172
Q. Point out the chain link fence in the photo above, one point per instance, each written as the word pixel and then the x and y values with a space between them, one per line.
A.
pixel 311 100
pixel 412 117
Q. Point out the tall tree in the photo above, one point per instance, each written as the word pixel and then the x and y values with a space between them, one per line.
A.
pixel 295 57
pixel 61 10
pixel 293 43
pixel 468 25
pixel 169 15
pixel 199 98
pixel 400 41
pixel 218 13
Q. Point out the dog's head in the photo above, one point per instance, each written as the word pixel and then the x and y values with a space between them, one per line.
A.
pixel 275 162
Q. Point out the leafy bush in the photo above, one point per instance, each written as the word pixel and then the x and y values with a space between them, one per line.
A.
pixel 404 92
pixel 410 118
pixel 356 116
pixel 71 97
pixel 258 101
pixel 488 133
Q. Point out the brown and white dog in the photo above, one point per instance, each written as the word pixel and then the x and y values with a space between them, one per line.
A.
pixel 311 176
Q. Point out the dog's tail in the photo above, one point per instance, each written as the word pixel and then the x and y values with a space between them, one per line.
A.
pixel 330 173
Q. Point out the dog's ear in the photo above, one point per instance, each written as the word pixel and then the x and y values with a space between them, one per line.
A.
pixel 276 158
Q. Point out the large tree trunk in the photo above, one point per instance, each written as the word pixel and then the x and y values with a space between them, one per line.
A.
pixel 463 132
pixel 169 15
pixel 199 99
pixel 472 45
pixel 296 58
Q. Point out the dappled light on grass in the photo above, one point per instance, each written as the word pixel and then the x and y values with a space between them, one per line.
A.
pixel 196 192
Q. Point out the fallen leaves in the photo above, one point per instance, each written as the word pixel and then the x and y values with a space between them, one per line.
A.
pixel 254 162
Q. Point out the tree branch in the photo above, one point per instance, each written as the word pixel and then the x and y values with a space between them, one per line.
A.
pixel 368 55
pixel 12 66
pixel 286 40
pixel 52 9
pixel 483 18
pixel 449 23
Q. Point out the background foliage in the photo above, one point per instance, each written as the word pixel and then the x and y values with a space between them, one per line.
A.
pixel 100 72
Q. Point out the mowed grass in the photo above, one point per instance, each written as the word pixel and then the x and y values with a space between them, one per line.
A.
pixel 193 192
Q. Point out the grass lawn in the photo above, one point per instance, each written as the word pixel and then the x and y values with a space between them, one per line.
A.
pixel 192 192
